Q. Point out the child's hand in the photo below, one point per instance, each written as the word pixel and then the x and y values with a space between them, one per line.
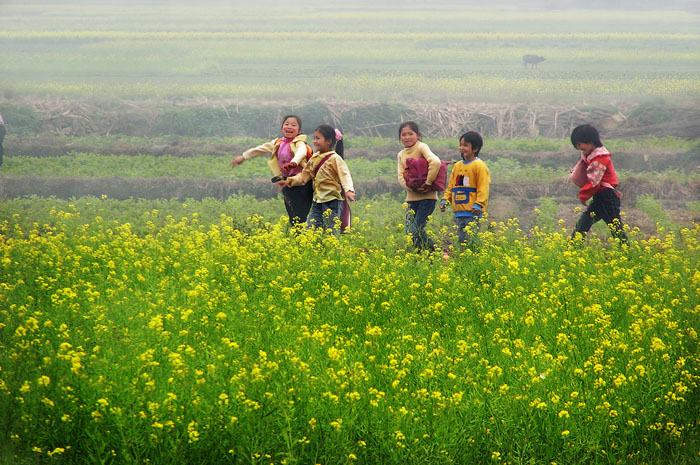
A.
pixel 283 183
pixel 237 161
pixel 350 195
pixel 442 205
pixel 290 166
pixel 423 189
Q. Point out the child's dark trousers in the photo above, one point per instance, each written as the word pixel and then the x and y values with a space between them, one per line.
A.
pixel 297 201
pixel 604 206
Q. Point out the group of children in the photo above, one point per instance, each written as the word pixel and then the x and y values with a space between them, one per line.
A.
pixel 323 203
pixel 293 164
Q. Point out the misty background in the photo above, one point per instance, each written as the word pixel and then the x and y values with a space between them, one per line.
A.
pixel 152 99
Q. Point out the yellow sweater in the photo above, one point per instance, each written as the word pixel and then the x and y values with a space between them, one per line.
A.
pixel 419 150
pixel 298 146
pixel 331 179
pixel 468 187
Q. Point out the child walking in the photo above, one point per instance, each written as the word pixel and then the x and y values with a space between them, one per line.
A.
pixel 421 202
pixel 331 179
pixel 288 156
pixel 598 180
pixel 468 188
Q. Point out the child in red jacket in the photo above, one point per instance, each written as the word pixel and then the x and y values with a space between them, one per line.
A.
pixel 600 183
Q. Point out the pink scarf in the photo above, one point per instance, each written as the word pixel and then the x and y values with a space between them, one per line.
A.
pixel 284 156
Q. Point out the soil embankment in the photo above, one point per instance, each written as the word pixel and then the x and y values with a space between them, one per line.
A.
pixel 206 118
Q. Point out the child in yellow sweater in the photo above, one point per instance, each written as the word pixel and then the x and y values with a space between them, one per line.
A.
pixel 468 188
pixel 331 178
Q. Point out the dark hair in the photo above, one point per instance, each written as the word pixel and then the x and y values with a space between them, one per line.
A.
pixel 585 134
pixel 473 138
pixel 328 133
pixel 411 125
pixel 286 117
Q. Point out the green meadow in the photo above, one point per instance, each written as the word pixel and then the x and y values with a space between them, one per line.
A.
pixel 348 52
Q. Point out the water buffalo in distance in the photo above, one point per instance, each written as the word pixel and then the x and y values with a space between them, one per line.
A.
pixel 532 60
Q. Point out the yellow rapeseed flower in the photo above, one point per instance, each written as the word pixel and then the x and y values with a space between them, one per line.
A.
pixel 337 424
pixel 373 330
pixel 657 344
pixel 56 451
pixel 334 353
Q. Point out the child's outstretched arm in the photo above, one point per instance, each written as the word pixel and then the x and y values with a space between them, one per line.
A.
pixel 296 180
pixel 266 148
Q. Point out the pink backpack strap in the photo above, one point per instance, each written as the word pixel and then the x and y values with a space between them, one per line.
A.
pixel 318 167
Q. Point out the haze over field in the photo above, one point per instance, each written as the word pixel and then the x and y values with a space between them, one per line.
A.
pixel 421 51
pixel 230 69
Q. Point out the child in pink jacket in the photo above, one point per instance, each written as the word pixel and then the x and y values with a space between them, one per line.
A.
pixel 600 184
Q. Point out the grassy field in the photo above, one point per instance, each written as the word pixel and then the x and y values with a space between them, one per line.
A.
pixel 90 165
pixel 350 52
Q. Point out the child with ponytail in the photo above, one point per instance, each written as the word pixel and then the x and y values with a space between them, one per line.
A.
pixel 331 178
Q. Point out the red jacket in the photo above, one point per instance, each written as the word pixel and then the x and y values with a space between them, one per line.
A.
pixel 600 174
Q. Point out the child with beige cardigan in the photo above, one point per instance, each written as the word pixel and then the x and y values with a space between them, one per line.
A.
pixel 421 202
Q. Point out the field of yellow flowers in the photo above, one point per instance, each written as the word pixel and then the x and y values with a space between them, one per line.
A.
pixel 156 337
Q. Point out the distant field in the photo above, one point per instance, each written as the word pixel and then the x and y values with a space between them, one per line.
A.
pixel 431 54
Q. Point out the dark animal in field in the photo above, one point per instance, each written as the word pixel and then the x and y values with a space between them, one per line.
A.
pixel 532 60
